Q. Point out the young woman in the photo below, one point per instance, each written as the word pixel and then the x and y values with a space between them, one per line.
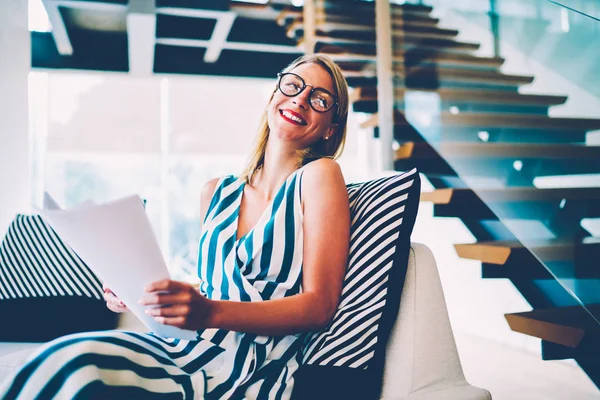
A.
pixel 272 257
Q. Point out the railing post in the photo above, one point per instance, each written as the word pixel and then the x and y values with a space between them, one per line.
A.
pixel 495 27
pixel 385 82
pixel 309 17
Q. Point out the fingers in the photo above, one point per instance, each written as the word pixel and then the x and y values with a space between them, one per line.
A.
pixel 161 299
pixel 114 303
pixel 169 311
pixel 166 285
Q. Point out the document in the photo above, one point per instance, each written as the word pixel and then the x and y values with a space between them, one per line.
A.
pixel 116 241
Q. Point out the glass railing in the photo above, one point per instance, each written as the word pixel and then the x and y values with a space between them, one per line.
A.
pixel 522 132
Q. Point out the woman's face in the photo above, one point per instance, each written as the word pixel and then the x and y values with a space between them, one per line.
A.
pixel 292 119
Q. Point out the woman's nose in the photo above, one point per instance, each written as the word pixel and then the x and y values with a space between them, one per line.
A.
pixel 302 99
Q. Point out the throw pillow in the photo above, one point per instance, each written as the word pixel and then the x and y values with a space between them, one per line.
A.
pixel 346 359
pixel 46 290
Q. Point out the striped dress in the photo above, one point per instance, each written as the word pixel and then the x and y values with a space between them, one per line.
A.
pixel 264 264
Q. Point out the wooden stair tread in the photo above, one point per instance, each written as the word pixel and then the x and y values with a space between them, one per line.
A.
pixel 346 6
pixel 483 96
pixel 397 11
pixel 504 120
pixel 567 326
pixel 498 151
pixel 498 252
pixel 411 40
pixel 429 73
pixel 328 24
pixel 423 57
pixel 356 20
pixel 518 121
pixel 512 194
pixel 397 34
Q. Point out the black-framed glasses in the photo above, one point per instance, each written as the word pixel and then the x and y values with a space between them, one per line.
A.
pixel 320 100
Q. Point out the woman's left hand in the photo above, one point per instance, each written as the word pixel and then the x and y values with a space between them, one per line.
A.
pixel 178 304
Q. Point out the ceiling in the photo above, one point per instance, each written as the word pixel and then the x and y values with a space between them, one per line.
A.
pixel 142 37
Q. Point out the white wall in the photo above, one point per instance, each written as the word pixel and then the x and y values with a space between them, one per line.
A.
pixel 14 135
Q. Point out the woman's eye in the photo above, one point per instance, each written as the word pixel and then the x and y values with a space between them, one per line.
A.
pixel 321 102
pixel 293 85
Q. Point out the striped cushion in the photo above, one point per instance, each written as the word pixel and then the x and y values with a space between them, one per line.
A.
pixel 46 288
pixel 348 356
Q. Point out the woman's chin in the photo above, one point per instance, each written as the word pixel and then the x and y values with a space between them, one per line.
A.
pixel 287 134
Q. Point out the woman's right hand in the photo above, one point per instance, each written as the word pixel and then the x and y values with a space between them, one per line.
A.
pixel 113 303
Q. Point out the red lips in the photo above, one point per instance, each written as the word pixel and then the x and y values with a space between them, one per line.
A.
pixel 300 120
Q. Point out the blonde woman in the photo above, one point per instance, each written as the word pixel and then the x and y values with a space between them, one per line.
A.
pixel 272 257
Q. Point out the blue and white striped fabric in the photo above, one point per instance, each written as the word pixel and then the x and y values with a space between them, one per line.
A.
pixel 263 264
pixel 378 209
pixel 346 359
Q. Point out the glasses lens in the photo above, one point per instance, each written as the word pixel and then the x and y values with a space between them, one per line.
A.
pixel 290 85
pixel 321 100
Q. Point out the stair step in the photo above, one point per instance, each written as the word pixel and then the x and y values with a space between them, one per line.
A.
pixel 370 35
pixel 359 61
pixel 500 252
pixel 483 120
pixel 368 46
pixel 511 194
pixel 567 326
pixel 500 169
pixel 496 120
pixel 433 77
pixel 512 202
pixel 498 150
pixel 471 95
pixel 360 21
pixel 348 11
pixel 327 24
pixel 348 6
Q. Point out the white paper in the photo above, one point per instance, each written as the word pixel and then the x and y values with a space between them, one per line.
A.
pixel 116 241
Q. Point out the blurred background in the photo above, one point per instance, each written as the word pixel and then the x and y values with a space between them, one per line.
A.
pixel 496 102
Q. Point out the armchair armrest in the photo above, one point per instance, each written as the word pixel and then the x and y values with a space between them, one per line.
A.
pixel 422 361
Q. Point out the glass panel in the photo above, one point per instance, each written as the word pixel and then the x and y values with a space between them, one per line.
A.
pixel 490 123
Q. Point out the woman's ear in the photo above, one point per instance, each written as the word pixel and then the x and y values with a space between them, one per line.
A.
pixel 330 131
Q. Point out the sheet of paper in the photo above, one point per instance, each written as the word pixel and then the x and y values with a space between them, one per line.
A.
pixel 116 241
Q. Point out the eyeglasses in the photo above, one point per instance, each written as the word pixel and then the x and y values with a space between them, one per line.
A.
pixel 319 99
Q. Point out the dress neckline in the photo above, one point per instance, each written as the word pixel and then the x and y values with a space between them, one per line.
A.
pixel 262 215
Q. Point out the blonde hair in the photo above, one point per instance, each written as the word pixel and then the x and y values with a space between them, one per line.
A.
pixel 331 148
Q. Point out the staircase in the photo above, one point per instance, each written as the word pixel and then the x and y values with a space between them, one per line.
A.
pixel 481 151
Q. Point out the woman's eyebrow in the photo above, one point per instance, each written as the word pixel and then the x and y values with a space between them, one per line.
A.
pixel 316 86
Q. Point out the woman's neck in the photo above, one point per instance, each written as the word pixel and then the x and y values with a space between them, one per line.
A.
pixel 278 165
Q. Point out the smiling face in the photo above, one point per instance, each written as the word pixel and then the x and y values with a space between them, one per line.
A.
pixel 292 119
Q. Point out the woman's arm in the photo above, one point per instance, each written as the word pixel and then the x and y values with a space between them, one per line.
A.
pixel 326 241
pixel 205 197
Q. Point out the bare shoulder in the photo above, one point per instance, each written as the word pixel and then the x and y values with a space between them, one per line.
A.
pixel 322 170
pixel 206 194
pixel 209 188
pixel 323 178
